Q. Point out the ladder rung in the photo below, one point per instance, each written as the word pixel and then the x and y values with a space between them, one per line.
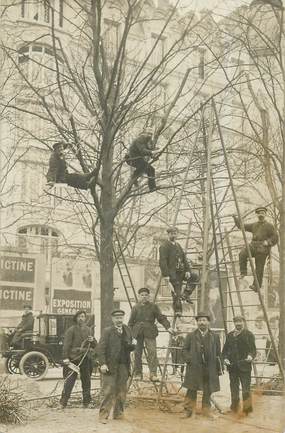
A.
pixel 244 305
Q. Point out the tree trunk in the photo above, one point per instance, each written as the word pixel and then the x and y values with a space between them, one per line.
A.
pixel 282 269
pixel 106 242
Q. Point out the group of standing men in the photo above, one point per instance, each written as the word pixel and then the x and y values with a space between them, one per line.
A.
pixel 201 353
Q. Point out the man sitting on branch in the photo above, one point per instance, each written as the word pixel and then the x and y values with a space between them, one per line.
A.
pixel 58 173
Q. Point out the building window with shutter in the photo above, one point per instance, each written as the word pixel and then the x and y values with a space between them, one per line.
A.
pixel 23 8
pixel 61 13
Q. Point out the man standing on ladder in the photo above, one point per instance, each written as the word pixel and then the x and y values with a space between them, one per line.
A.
pixel 238 353
pixel 144 330
pixel 264 236
pixel 175 269
pixel 201 352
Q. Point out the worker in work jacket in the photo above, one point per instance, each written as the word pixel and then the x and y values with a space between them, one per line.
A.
pixel 140 151
pixel 142 323
pixel 238 353
pixel 58 173
pixel 77 346
pixel 264 236
pixel 175 268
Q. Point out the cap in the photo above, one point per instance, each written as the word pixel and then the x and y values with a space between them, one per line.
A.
pixel 28 306
pixel 260 209
pixel 78 314
pixel 117 313
pixel 238 319
pixel 203 314
pixel 172 229
pixel 144 290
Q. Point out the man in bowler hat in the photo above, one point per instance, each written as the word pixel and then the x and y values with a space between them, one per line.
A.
pixel 142 323
pixel 175 268
pixel 77 345
pixel 264 236
pixel 58 173
pixel 202 353
pixel 113 353
pixel 238 353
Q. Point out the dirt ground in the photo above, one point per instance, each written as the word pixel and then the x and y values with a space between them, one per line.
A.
pixel 268 416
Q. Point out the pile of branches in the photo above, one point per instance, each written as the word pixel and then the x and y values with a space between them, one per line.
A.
pixel 12 408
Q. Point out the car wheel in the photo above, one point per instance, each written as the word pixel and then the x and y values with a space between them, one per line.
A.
pixel 12 365
pixel 34 365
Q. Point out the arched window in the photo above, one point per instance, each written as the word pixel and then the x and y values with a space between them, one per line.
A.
pixel 39 239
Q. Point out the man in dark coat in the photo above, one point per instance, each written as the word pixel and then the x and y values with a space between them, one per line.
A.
pixel 175 268
pixel 202 354
pixel 24 327
pixel 113 352
pixel 77 346
pixel 264 236
pixel 144 330
pixel 58 173
pixel 140 150
pixel 238 353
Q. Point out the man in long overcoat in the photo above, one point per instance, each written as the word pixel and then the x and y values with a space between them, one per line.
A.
pixel 175 268
pixel 142 324
pixel 201 352
pixel 113 353
pixel 26 325
pixel 239 351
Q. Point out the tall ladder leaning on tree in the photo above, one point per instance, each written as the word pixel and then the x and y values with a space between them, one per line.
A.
pixel 221 244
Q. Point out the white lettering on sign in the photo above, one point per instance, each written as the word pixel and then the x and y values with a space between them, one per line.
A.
pixel 17 265
pixel 67 303
pixel 15 295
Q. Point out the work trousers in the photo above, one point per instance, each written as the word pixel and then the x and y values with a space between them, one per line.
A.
pixel 191 396
pixel 114 388
pixel 141 167
pixel 177 282
pixel 260 259
pixel 70 377
pixel 79 181
pixel 244 378
pixel 150 346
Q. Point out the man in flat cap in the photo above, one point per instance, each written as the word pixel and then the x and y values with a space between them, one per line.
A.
pixel 113 352
pixel 175 269
pixel 142 324
pixel 24 327
pixel 202 353
pixel 264 236
pixel 238 353
pixel 140 151
pixel 58 173
pixel 77 350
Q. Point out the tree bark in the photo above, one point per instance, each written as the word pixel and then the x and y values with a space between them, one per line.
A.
pixel 106 240
pixel 282 269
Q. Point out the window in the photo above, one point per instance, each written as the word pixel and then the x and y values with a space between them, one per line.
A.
pixel 159 50
pixel 39 10
pixel 23 8
pixel 39 239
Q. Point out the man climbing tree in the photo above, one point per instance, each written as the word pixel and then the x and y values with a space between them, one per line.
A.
pixel 264 236
pixel 58 173
pixel 140 151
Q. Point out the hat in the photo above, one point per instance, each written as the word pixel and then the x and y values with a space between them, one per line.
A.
pixel 144 289
pixel 203 314
pixel 260 209
pixel 117 313
pixel 238 319
pixel 28 306
pixel 78 314
pixel 172 229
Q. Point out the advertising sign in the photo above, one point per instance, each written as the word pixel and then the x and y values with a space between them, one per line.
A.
pixel 14 298
pixel 70 301
pixel 18 269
